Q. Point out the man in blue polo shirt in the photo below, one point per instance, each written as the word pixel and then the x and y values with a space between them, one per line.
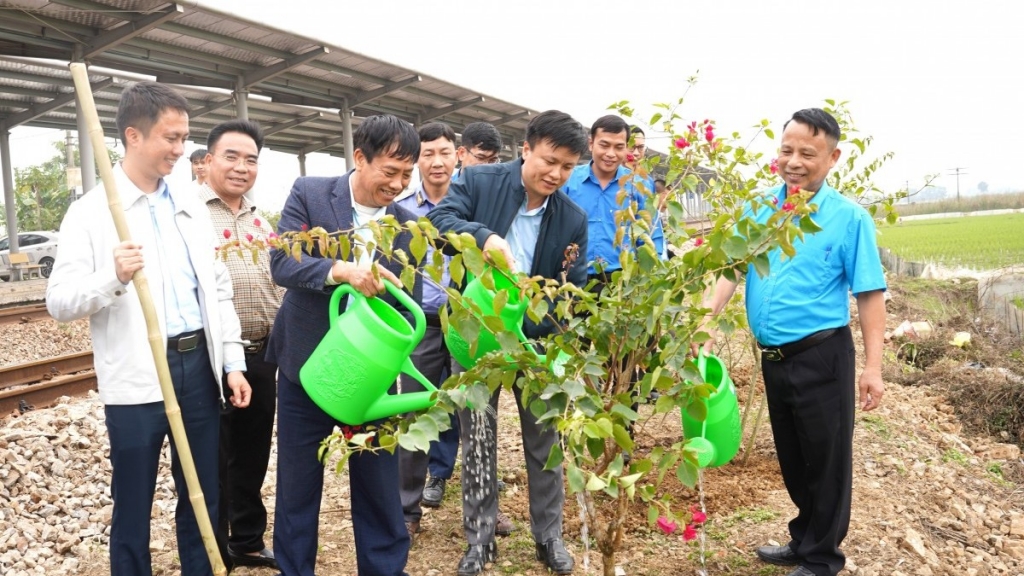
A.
pixel 800 314
pixel 595 188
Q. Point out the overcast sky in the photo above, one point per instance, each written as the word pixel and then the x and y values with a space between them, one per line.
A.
pixel 937 83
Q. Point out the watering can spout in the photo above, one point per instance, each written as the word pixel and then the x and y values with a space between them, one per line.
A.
pixel 392 404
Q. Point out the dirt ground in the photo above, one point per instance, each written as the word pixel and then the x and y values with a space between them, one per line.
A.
pixel 929 497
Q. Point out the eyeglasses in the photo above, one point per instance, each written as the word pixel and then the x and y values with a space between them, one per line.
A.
pixel 234 159
pixel 638 148
pixel 485 158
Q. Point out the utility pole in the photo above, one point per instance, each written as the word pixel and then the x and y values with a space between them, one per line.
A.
pixel 957 171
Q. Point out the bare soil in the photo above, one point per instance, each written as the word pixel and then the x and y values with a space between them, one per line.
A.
pixel 931 495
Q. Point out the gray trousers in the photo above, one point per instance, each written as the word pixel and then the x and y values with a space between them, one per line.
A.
pixel 432 359
pixel 479 431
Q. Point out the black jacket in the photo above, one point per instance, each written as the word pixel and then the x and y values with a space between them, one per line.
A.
pixel 485 201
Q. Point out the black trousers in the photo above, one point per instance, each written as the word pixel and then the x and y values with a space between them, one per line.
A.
pixel 245 437
pixel 811 402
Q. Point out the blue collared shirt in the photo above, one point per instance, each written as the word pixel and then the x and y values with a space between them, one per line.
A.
pixel 434 296
pixel 810 291
pixel 523 234
pixel 181 287
pixel 600 204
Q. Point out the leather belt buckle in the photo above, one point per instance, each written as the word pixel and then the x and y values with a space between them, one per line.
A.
pixel 188 343
pixel 772 354
pixel 254 347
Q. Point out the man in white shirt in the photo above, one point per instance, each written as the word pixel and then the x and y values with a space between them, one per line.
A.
pixel 173 238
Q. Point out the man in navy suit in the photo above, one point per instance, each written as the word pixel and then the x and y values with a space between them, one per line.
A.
pixel 385 151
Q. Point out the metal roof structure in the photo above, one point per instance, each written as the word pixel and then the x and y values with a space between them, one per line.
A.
pixel 226 66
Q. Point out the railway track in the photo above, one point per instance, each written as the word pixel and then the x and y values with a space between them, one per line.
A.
pixel 21 314
pixel 41 382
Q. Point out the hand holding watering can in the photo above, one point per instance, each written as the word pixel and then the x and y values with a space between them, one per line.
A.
pixel 512 315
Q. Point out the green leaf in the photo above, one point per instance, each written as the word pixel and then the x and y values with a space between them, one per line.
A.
pixel 626 412
pixel 809 226
pixel 595 446
pixel 500 300
pixel 687 473
pixel 735 247
pixel 664 403
pixel 623 438
pixel 627 481
pixel 593 430
pixel 698 410
pixel 576 480
pixel 769 133
pixel 595 483
pixel 555 458
pixel 418 246
pixel 474 261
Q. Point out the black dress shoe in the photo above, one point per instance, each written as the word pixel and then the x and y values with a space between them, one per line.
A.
pixel 801 571
pixel 265 559
pixel 477 555
pixel 778 555
pixel 554 555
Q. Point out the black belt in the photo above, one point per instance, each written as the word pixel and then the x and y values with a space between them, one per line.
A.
pixel 186 342
pixel 780 353
pixel 433 320
pixel 254 346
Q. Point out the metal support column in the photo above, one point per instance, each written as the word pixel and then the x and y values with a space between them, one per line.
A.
pixel 9 203
pixel 302 163
pixel 86 157
pixel 242 113
pixel 241 99
pixel 346 132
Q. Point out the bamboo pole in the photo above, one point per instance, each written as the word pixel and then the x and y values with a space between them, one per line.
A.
pixel 156 341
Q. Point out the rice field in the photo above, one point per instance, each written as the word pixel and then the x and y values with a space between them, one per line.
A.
pixel 978 242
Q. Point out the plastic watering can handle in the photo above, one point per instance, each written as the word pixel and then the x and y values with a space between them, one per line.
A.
pixel 702 363
pixel 420 326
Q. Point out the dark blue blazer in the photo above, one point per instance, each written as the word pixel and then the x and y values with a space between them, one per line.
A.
pixel 485 201
pixel 303 318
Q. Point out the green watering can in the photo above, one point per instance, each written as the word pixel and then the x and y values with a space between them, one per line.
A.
pixel 360 357
pixel 717 439
pixel 511 316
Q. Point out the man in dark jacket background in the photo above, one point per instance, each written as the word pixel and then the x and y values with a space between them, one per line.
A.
pixel 518 209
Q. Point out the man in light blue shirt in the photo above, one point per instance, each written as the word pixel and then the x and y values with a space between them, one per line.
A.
pixel 799 313
pixel 596 186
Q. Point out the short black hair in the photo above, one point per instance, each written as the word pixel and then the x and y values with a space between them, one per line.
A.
pixel 434 130
pixel 817 119
pixel 662 180
pixel 637 130
pixel 482 135
pixel 386 134
pixel 611 124
pixel 558 128
pixel 142 104
pixel 247 127
pixel 198 154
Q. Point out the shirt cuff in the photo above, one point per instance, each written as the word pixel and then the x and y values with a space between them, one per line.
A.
pixel 234 367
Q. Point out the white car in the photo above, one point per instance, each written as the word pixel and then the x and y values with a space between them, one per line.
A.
pixel 41 248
